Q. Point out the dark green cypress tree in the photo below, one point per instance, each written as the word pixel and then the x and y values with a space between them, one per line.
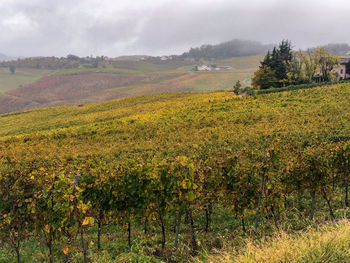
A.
pixel 266 61
pixel 274 59
pixel 278 61
pixel 284 56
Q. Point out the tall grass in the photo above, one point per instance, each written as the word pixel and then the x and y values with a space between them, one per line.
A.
pixel 329 243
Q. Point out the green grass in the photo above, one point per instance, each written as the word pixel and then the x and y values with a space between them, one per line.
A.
pixel 22 77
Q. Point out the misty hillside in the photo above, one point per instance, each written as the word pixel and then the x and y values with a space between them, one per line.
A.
pixel 339 49
pixel 3 57
pixel 230 49
pixel 241 48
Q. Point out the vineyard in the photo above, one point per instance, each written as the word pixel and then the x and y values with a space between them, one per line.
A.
pixel 170 177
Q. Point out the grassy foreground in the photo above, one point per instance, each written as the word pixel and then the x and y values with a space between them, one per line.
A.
pixel 329 243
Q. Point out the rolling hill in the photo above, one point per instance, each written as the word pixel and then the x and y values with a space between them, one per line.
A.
pixel 31 88
pixel 188 113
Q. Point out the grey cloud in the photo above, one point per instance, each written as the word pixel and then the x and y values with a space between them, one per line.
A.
pixel 84 27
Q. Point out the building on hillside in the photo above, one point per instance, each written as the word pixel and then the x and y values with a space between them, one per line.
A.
pixel 163 58
pixel 203 67
pixel 223 68
pixel 343 71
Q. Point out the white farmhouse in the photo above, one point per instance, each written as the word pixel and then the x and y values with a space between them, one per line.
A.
pixel 203 67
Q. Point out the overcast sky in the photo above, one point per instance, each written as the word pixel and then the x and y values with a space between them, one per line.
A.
pixel 156 27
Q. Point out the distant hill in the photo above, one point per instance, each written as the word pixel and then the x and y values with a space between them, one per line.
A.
pixel 131 58
pixel 339 49
pixel 230 49
pixel 3 57
pixel 36 88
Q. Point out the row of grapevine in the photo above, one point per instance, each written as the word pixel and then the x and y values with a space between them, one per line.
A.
pixel 58 201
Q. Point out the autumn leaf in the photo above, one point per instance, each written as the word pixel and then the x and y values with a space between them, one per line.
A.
pixel 88 221
pixel 66 250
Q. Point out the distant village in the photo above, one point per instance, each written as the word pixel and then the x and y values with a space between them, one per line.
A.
pixel 200 67
pixel 205 67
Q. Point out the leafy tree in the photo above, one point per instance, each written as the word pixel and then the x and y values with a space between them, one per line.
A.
pixel 327 62
pixel 72 57
pixel 95 64
pixel 280 58
pixel 267 60
pixel 237 87
pixel 319 61
pixel 297 68
pixel 265 78
pixel 311 65
pixel 12 69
